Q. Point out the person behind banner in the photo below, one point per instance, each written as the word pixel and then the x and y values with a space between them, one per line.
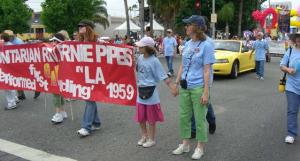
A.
pixel 17 41
pixel 10 95
pixel 149 72
pixel 91 120
pixel 58 100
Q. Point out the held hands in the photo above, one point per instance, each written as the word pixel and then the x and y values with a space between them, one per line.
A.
pixel 173 89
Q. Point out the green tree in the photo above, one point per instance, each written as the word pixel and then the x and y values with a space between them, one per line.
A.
pixel 14 15
pixel 187 8
pixel 166 11
pixel 226 15
pixel 66 14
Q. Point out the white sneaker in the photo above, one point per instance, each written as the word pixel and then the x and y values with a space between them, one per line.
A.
pixel 262 78
pixel 198 153
pixel 83 132
pixel 64 114
pixel 289 140
pixel 57 118
pixel 11 107
pixel 142 141
pixel 181 149
pixel 148 143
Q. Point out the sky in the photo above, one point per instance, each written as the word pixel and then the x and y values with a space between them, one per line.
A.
pixel 116 7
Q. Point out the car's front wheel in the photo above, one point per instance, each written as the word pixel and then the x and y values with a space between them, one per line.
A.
pixel 234 70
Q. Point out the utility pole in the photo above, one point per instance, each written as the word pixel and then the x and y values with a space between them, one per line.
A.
pixel 142 22
pixel 213 24
pixel 151 17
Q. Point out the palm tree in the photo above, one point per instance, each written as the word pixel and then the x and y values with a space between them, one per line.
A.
pixel 166 11
pixel 240 18
pixel 226 15
pixel 127 17
pixel 141 14
pixel 100 15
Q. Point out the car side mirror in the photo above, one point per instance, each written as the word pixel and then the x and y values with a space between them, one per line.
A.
pixel 245 50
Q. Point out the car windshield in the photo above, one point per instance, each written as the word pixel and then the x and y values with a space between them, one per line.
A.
pixel 227 45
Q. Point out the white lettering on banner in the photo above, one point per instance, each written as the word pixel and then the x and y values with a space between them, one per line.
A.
pixel 19 82
pixel 82 53
pixel 22 55
pixel 122 55
pixel 98 78
pixel 120 91
pixel 49 55
pixel 76 90
pixel 37 75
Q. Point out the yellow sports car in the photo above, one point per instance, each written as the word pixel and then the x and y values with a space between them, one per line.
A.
pixel 232 58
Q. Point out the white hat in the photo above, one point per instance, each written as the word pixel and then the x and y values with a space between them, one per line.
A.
pixel 170 30
pixel 146 41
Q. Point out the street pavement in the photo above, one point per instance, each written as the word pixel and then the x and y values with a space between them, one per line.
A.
pixel 251 125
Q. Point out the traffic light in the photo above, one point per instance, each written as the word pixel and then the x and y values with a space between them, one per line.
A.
pixel 146 14
pixel 197 4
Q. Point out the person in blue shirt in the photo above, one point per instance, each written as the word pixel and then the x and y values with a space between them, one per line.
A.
pixel 149 73
pixel 290 64
pixel 169 45
pixel 261 48
pixel 195 77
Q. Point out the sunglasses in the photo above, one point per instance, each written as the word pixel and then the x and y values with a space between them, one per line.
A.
pixel 80 26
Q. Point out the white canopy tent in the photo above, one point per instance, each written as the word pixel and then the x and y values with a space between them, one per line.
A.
pixel 156 26
pixel 158 29
pixel 123 27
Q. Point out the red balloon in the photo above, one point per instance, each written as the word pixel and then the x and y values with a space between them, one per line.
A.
pixel 261 17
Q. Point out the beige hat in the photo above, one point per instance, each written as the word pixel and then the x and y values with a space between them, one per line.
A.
pixel 9 32
pixel 170 30
pixel 65 33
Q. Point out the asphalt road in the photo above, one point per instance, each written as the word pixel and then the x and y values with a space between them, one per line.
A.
pixel 251 125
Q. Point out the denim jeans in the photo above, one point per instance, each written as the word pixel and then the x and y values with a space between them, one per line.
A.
pixel 210 117
pixel 90 116
pixel 169 60
pixel 11 97
pixel 260 67
pixel 293 101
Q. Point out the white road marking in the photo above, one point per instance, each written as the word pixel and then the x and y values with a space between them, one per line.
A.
pixel 29 153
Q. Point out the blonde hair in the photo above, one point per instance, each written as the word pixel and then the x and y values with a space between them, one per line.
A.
pixel 199 32
pixel 89 36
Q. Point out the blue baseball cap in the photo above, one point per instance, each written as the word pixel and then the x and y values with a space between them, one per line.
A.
pixel 195 19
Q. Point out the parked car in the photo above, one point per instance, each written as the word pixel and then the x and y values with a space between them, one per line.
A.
pixel 232 58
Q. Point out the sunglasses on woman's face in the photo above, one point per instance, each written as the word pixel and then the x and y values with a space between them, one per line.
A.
pixel 80 26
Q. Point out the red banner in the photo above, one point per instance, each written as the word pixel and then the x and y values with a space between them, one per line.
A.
pixel 87 71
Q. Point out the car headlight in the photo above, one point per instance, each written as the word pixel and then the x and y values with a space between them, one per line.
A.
pixel 222 61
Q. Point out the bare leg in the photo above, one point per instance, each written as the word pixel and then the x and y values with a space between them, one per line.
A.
pixel 185 142
pixel 200 145
pixel 152 130
pixel 144 129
